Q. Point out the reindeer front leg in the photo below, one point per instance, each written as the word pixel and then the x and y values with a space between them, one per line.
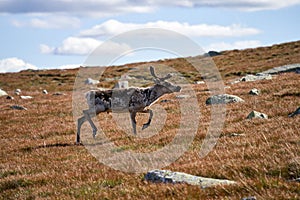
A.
pixel 133 121
pixel 87 116
pixel 149 120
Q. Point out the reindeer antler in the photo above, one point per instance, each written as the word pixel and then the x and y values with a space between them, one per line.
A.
pixel 159 79
pixel 152 72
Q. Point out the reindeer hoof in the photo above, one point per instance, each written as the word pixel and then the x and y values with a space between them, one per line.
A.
pixel 94 134
pixel 78 144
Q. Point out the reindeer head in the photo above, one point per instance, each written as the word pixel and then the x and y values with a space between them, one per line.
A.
pixel 166 86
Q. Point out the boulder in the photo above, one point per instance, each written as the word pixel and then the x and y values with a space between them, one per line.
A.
pixel 2 93
pixel 254 91
pixel 212 54
pixel 223 99
pixel 17 107
pixel 297 112
pixel 91 81
pixel 283 69
pixel 255 114
pixel 257 77
pixel 45 92
pixel 166 176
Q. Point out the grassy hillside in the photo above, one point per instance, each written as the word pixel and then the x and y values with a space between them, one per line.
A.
pixel 39 159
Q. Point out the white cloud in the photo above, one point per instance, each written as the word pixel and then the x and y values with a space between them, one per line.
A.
pixel 49 22
pixel 97 8
pixel 14 65
pixel 72 45
pixel 235 45
pixel 83 46
pixel 246 5
pixel 114 27
pixel 101 8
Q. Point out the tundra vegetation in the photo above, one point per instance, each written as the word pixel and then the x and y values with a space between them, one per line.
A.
pixel 39 158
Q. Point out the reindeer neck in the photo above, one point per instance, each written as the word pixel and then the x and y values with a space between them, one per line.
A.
pixel 154 93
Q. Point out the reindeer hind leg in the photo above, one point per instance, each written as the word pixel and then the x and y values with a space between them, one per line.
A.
pixel 80 121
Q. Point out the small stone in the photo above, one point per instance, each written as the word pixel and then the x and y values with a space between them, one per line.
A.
pixel 18 91
pixel 10 98
pixel 2 93
pixel 45 92
pixel 58 93
pixel 183 96
pixel 254 91
pixel 26 97
pixel 91 81
pixel 235 134
pixel 17 107
pixel 165 101
pixel 249 198
pixel 297 180
pixel 199 82
pixel 255 114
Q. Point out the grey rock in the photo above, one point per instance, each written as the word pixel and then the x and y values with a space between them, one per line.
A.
pixel 283 69
pixel 254 91
pixel 235 135
pixel 166 176
pixel 91 81
pixel 10 98
pixel 183 96
pixel 2 93
pixel 58 94
pixel 296 180
pixel 257 77
pixel 223 99
pixel 26 97
pixel 212 53
pixel 297 112
pixel 18 91
pixel 200 82
pixel 17 107
pixel 255 114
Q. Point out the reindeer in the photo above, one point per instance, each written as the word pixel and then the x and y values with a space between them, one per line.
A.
pixel 132 100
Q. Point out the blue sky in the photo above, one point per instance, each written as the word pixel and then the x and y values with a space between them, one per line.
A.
pixel 60 34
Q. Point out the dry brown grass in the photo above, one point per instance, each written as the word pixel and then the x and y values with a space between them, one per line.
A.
pixel 39 158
